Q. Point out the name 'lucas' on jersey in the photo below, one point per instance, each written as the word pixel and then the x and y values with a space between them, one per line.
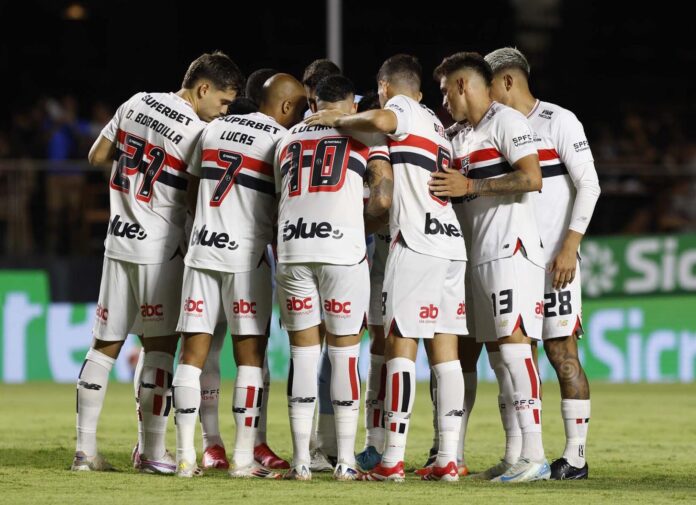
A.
pixel 236 195
pixel 154 135
pixel 319 175
pixel 417 148
pixel 499 224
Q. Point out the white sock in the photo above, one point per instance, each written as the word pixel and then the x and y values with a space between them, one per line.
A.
pixel 576 420
pixel 155 402
pixel 210 391
pixel 137 377
pixel 508 416
pixel 525 381
pixel 398 405
pixel 302 396
pixel 374 403
pixel 433 403
pixel 345 397
pixel 263 414
pixel 450 400
pixel 470 386
pixel 91 389
pixel 248 398
pixel 326 425
pixel 187 400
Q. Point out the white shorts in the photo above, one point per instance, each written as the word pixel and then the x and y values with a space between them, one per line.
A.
pixel 423 295
pixel 244 299
pixel 375 313
pixel 508 294
pixel 341 292
pixel 562 309
pixel 142 299
pixel 470 303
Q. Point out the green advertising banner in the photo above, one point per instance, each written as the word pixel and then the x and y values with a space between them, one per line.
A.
pixel 631 266
pixel 635 339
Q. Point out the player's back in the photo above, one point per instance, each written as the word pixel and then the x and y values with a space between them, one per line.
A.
pixel 319 175
pixel 154 135
pixel 560 139
pixel 418 148
pixel 236 195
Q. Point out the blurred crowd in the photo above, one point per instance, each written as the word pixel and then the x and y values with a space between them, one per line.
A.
pixel 54 203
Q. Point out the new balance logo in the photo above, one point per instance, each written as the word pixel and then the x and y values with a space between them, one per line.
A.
pixel 455 413
pixel 148 385
pixel 336 307
pixel 207 238
pixel 309 230
pixel 89 385
pixel 297 304
pixel 147 310
pixel 239 410
pixel 302 399
pixel 102 313
pixel 185 411
pixel 191 305
pixel 244 307
pixel 429 312
pixel 434 227
pixel 343 403
pixel 119 228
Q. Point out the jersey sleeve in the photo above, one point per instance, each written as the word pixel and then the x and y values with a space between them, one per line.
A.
pixel 572 145
pixel 196 158
pixel 378 149
pixel 515 138
pixel 277 160
pixel 110 131
pixel 400 106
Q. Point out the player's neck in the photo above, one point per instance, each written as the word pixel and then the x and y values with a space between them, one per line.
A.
pixel 477 110
pixel 187 94
pixel 523 102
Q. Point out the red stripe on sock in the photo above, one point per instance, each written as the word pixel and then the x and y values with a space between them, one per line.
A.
pixel 157 405
pixel 536 416
pixel 248 421
pixel 395 393
pixel 159 378
pixel 578 421
pixel 251 392
pixel 392 427
pixel 375 418
pixel 353 372
pixel 533 377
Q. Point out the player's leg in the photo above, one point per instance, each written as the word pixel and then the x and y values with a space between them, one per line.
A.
pixel 562 328
pixel 345 291
pixel 324 447
pixel 469 352
pixel 137 377
pixel 197 321
pixel 214 454
pixel 116 311
pixel 299 301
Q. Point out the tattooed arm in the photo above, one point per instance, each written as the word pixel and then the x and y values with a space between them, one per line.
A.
pixel 380 180
pixel 525 177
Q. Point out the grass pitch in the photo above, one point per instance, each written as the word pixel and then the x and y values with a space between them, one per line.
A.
pixel 642 449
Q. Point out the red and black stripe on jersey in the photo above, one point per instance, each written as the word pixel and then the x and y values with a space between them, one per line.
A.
pixel 551 165
pixel 405 155
pixel 211 169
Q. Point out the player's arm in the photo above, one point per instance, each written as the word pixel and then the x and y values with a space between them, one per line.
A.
pixel 192 194
pixel 525 177
pixel 102 152
pixel 373 121
pixel 380 180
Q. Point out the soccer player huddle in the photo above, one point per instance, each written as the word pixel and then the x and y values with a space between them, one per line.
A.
pixel 476 231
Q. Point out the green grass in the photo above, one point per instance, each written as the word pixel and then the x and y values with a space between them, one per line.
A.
pixel 642 449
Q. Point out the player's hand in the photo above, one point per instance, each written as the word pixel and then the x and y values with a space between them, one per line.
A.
pixel 563 267
pixel 450 183
pixel 325 117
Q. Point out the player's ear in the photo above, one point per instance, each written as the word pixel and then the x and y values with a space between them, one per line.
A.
pixel 285 107
pixel 203 89
pixel 353 108
pixel 313 105
pixel 507 80
pixel 420 96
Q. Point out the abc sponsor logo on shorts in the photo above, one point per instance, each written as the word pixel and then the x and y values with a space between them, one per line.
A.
pixel 193 307
pixel 461 310
pixel 207 238
pixel 152 312
pixel 337 308
pixel 244 309
pixel 428 313
pixel 539 310
pixel 302 230
pixel 294 304
pixel 119 228
pixel 433 226
pixel 102 313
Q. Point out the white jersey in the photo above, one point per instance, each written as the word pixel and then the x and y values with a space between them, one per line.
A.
pixel 418 148
pixel 319 175
pixel 499 224
pixel 154 135
pixel 564 154
pixel 236 195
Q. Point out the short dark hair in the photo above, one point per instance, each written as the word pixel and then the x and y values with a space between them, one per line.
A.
pixel 464 60
pixel 317 70
pixel 242 105
pixel 254 83
pixel 218 68
pixel 402 68
pixel 369 101
pixel 334 88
